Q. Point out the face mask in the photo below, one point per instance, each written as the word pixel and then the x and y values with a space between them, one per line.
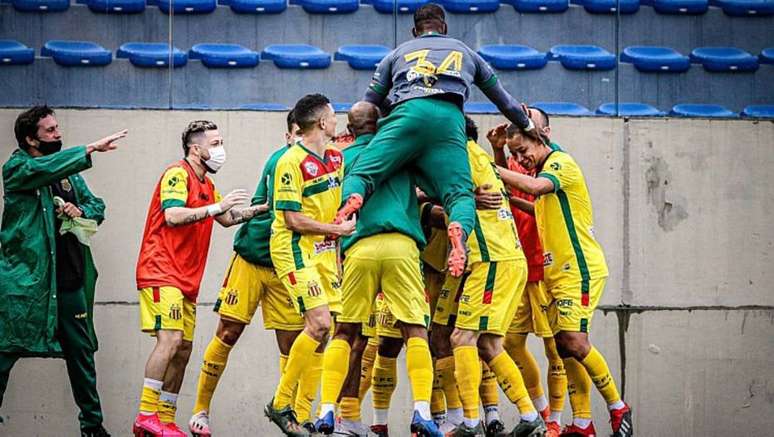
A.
pixel 298 139
pixel 49 147
pixel 217 159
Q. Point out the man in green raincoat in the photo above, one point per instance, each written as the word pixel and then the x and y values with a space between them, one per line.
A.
pixel 47 279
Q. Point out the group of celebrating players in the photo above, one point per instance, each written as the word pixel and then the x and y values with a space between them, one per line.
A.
pixel 404 233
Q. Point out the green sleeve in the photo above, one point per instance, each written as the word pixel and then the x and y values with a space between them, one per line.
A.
pixel 92 206
pixel 28 173
pixel 261 195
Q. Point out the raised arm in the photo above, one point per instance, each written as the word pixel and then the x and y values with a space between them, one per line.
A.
pixel 381 82
pixel 528 184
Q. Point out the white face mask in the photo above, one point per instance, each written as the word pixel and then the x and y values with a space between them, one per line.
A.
pixel 217 159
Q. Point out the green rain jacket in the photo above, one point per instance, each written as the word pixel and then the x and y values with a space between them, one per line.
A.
pixel 28 292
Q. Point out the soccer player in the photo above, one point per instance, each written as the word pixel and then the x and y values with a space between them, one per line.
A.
pixel 427 80
pixel 306 193
pixel 48 278
pixel 382 254
pixel 575 272
pixel 171 264
pixel 250 281
pixel 482 304
pixel 532 316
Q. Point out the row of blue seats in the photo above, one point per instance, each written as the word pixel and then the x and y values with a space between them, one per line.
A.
pixel 366 57
pixel 692 7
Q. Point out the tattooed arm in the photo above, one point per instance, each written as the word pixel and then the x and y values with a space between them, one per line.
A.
pixel 181 216
pixel 235 216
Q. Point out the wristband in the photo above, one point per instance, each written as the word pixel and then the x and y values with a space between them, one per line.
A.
pixel 214 210
pixel 530 125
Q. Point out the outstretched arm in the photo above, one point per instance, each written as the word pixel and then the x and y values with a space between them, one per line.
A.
pixel 528 184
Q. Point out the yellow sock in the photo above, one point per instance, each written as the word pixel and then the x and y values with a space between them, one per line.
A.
pixel 384 378
pixel 467 372
pixel 419 364
pixel 213 365
pixel 516 346
pixel 444 368
pixel 557 377
pixel 167 407
pixel 334 372
pixel 299 358
pixel 600 375
pixel 283 361
pixel 511 382
pixel 488 389
pixel 437 399
pixel 350 408
pixel 367 366
pixel 149 399
pixel 308 386
pixel 579 388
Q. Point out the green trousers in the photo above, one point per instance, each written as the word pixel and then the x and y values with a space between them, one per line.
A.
pixel 73 335
pixel 428 136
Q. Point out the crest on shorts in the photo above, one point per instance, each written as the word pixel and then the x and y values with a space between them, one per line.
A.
pixel 313 288
pixel 232 298
pixel 66 186
pixel 175 313
pixel 311 168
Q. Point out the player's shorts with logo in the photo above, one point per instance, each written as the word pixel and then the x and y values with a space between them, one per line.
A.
pixel 314 286
pixel 484 299
pixel 166 308
pixel 248 285
pixel 388 263
pixel 434 281
pixel 573 304
pixel 532 313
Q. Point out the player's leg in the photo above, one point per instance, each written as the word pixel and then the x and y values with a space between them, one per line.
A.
pixel 335 373
pixel 349 401
pixel 490 402
pixel 173 378
pixel 384 380
pixel 367 365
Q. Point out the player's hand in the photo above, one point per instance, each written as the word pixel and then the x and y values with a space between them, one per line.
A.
pixel 347 227
pixel 106 144
pixel 488 199
pixel 70 210
pixel 497 136
pixel 234 198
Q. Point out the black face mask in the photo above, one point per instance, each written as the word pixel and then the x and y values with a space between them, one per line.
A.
pixel 49 147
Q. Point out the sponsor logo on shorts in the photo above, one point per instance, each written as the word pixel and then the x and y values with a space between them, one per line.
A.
pixel 175 313
pixel 464 313
pixel 464 298
pixel 313 289
pixel 548 259
pixel 444 293
pixel 232 298
pixel 564 303
pixel 336 284
pixel 324 246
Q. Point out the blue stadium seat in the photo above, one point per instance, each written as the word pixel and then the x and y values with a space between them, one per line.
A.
pixel 608 6
pixel 745 8
pixel 152 2
pixel 296 56
pixel 273 107
pixel 71 53
pixel 341 107
pixel 678 7
pixel 659 59
pixel 329 6
pixel 540 6
pixel 224 55
pixel 758 111
pixel 481 108
pixel 188 6
pixel 258 6
pixel 362 57
pixel 116 6
pixel 583 57
pixel 403 6
pixel 151 54
pixel 629 110
pixel 41 5
pixel 513 57
pixel 724 59
pixel 562 108
pixel 470 6
pixel 15 53
pixel 701 110
pixel 766 56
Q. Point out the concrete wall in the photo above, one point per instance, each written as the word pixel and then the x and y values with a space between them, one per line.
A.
pixel 681 209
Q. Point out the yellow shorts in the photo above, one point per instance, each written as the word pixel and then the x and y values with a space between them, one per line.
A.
pixel 368 328
pixel 313 287
pixel 571 310
pixel 532 313
pixel 166 308
pixel 484 299
pixel 433 283
pixel 388 263
pixel 248 285
pixel 385 321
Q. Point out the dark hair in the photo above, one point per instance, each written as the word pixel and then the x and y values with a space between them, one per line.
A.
pixel 513 129
pixel 195 127
pixel 544 113
pixel 27 124
pixel 307 110
pixel 291 120
pixel 429 15
pixel 471 130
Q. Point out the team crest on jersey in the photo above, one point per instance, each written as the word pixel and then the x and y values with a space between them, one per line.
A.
pixel 311 168
pixel 174 180
pixel 232 298
pixel 548 259
pixel 313 288
pixel 66 187
pixel 175 313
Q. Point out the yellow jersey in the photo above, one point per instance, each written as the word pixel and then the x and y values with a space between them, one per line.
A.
pixel 310 184
pixel 494 235
pixel 566 225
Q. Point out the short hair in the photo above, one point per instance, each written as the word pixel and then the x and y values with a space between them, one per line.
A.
pixel 291 120
pixel 471 130
pixel 307 110
pixel 194 128
pixel 27 124
pixel 513 129
pixel 427 14
pixel 542 112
